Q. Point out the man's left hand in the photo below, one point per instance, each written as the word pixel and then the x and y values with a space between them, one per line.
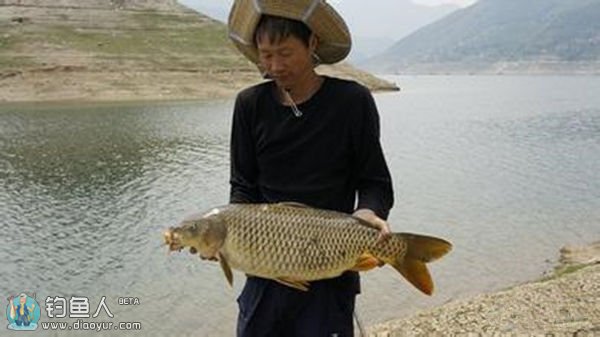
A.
pixel 370 216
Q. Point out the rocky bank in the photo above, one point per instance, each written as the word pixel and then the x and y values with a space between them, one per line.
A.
pixel 566 303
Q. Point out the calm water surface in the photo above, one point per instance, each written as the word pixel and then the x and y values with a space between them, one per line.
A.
pixel 507 168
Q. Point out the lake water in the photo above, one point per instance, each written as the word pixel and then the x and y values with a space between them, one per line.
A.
pixel 507 168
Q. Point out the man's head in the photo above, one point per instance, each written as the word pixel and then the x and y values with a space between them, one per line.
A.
pixel 286 48
pixel 317 16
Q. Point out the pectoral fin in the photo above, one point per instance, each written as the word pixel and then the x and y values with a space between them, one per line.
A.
pixel 296 284
pixel 226 269
pixel 366 262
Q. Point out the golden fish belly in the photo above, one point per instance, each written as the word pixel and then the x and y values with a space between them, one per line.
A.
pixel 294 242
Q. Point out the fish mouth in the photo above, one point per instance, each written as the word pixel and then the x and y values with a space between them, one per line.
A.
pixel 173 239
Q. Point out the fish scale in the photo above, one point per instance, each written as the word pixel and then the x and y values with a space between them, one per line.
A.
pixel 242 238
pixel 294 244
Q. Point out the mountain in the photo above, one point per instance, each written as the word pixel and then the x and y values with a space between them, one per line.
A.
pixel 502 36
pixel 99 50
pixel 376 27
pixel 372 27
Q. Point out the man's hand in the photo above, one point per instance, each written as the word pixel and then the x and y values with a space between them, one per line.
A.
pixel 194 251
pixel 370 216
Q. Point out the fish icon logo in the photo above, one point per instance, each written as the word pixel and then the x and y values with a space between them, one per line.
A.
pixel 23 312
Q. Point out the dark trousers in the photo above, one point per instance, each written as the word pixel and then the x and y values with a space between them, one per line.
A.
pixel 270 309
pixel 22 320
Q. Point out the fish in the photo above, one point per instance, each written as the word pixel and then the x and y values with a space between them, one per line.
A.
pixel 295 244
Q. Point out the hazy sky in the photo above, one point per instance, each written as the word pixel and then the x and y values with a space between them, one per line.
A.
pixel 461 3
pixel 374 27
pixel 227 3
pixel 219 8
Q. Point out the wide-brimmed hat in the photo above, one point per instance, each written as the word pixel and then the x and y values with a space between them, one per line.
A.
pixel 333 34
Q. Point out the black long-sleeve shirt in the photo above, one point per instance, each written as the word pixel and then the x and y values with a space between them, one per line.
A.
pixel 325 158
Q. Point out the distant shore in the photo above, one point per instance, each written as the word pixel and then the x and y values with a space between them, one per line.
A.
pixel 67 84
pixel 566 303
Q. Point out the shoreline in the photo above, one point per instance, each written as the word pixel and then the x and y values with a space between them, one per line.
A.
pixel 565 303
pixel 81 87
pixel 133 102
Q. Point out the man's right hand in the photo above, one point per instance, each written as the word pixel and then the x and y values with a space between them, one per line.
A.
pixel 194 251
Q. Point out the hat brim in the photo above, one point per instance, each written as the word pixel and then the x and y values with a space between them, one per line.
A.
pixel 333 34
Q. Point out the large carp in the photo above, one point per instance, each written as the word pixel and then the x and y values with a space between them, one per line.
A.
pixel 294 244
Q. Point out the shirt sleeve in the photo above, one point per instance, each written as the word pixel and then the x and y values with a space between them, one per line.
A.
pixel 243 169
pixel 375 190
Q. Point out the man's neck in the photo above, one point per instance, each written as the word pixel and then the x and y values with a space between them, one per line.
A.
pixel 304 89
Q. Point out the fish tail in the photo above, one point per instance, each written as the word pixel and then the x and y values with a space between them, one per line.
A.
pixel 420 250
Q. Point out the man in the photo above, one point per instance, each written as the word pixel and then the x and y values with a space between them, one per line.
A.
pixel 304 138
pixel 22 314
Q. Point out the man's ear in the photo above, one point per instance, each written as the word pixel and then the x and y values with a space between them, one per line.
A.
pixel 313 43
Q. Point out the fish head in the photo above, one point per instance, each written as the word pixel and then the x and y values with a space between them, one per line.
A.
pixel 202 233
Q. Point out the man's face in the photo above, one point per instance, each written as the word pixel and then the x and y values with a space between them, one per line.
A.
pixel 287 61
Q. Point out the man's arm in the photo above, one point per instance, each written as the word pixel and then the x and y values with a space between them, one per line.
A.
pixel 243 166
pixel 375 192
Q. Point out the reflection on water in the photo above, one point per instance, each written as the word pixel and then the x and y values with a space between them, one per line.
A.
pixel 86 192
pixel 507 168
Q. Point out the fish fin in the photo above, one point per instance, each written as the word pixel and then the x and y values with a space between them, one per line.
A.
pixel 293 204
pixel 366 262
pixel 417 274
pixel 296 284
pixel 425 248
pixel 226 269
pixel 420 249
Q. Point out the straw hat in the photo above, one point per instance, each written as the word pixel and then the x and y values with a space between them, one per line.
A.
pixel 334 36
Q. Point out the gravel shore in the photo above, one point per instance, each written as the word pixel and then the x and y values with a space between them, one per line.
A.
pixel 566 303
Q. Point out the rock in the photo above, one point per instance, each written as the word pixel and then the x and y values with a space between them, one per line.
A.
pixel 588 254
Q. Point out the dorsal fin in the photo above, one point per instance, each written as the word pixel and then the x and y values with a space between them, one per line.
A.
pixel 366 223
pixel 293 204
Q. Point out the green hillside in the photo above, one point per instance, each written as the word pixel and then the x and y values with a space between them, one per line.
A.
pixel 118 50
pixel 144 39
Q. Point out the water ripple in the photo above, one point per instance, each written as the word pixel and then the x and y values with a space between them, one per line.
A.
pixel 507 175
